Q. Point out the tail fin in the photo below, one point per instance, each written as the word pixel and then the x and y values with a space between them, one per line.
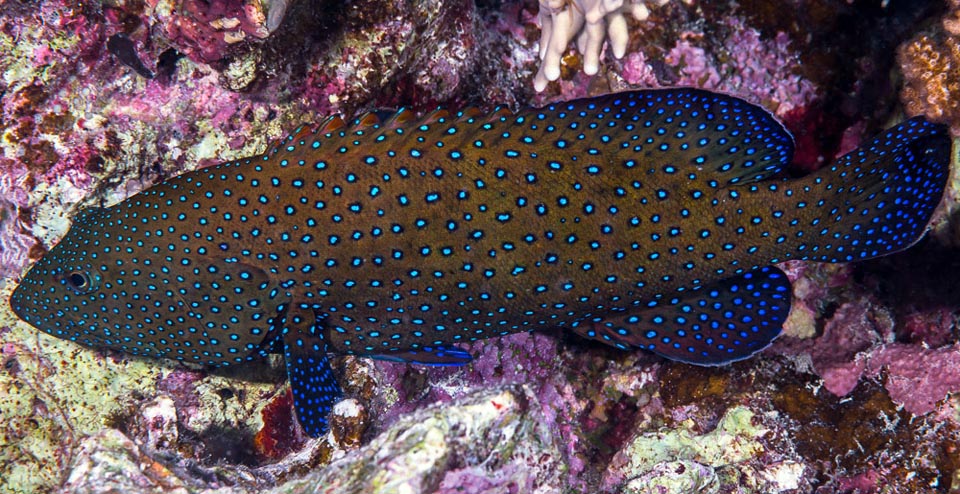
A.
pixel 879 197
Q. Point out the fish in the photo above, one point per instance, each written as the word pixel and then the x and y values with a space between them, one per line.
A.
pixel 122 47
pixel 648 219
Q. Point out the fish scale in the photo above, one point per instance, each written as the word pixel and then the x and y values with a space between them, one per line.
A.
pixel 646 219
pixel 516 214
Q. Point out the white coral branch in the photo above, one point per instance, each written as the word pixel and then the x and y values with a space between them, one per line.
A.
pixel 592 22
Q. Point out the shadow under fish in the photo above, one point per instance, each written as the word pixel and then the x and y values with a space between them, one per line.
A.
pixel 648 219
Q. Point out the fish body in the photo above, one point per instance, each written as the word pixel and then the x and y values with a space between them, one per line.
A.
pixel 646 219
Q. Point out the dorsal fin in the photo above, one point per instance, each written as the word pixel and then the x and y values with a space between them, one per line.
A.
pixel 715 139
pixel 333 123
pixel 469 112
pixel 275 145
pixel 384 114
pixel 301 133
pixel 500 113
pixel 721 139
pixel 399 119
pixel 366 121
pixel 438 115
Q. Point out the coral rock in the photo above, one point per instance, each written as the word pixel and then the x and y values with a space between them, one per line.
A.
pixel 205 31
pixel 158 420
pixel 931 68
pixel 681 459
pixel 110 462
pixel 493 440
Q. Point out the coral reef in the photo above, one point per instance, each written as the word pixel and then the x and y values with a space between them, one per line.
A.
pixel 756 68
pixel 208 31
pixel 682 459
pixel 432 450
pixel 931 70
pixel 859 395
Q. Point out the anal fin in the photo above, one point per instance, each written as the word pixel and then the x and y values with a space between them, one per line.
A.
pixel 312 383
pixel 719 323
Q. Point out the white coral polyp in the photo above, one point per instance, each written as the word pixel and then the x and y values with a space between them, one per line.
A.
pixel 591 21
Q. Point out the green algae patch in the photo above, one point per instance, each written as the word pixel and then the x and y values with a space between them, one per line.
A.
pixel 682 459
pixel 52 393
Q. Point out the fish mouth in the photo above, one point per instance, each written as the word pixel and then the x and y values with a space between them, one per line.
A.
pixel 21 302
pixel 16 304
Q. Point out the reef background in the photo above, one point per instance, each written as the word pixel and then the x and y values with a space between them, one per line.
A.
pixel 860 395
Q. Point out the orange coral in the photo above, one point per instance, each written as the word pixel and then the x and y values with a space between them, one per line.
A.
pixel 931 68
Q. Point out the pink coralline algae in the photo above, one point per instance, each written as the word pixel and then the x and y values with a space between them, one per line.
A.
pixel 919 378
pixel 933 327
pixel 763 71
pixel 852 329
pixel 206 30
pixel 378 63
pixel 916 377
pixel 862 340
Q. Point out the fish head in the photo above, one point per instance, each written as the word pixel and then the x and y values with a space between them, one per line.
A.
pixel 102 286
pixel 62 294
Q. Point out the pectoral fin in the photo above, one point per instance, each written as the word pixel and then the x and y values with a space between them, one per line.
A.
pixel 312 383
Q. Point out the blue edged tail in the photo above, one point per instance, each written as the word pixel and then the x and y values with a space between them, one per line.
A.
pixel 877 199
pixel 873 201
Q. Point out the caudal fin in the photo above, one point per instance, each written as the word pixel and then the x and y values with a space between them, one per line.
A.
pixel 878 199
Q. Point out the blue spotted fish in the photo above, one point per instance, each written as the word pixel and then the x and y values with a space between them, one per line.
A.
pixel 646 219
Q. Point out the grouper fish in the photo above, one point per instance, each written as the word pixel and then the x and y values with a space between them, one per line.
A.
pixel 646 219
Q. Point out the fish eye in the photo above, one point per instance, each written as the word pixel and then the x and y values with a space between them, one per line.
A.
pixel 78 280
